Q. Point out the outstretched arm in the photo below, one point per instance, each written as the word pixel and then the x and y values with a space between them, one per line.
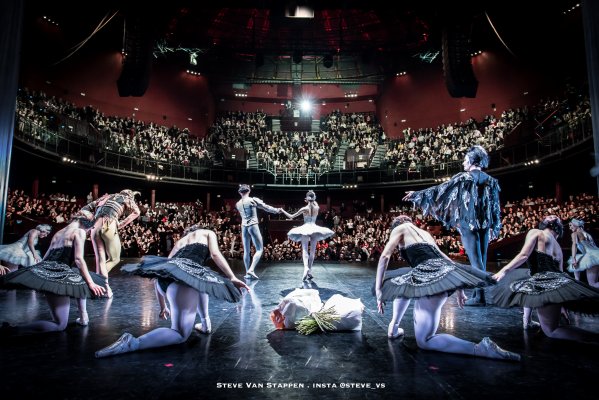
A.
pixel 529 244
pixel 495 226
pixel 263 206
pixel 417 195
pixel 164 311
pixel 78 244
pixel 132 216
pixel 574 249
pixel 427 199
pixel 298 213
pixel 222 263
pixel 33 235
pixel 91 207
pixel 393 242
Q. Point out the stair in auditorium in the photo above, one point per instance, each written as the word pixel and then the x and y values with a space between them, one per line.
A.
pixel 276 124
pixel 379 155
pixel 217 162
pixel 315 127
pixel 340 157
pixel 252 161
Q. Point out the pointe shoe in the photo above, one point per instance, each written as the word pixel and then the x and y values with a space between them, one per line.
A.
pixel 125 344
pixel 488 348
pixel 306 275
pixel 394 331
pixel 530 325
pixel 200 328
pixel 252 275
pixel 82 321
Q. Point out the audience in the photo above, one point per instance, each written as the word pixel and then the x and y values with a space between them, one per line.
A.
pixel 360 233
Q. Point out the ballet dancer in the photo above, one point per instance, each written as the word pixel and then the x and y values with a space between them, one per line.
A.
pixel 469 202
pixel 309 234
pixel 105 234
pixel 186 283
pixel 545 287
pixel 54 277
pixel 23 252
pixel 585 254
pixel 432 278
pixel 250 231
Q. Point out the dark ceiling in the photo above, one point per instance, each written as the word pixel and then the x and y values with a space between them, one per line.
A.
pixel 344 41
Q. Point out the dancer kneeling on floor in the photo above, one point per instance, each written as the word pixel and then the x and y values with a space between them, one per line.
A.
pixel 545 287
pixel 55 277
pixel 432 278
pixel 585 254
pixel 23 251
pixel 187 284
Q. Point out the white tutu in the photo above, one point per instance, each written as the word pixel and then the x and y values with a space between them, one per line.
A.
pixel 587 257
pixel 18 253
pixel 316 232
pixel 585 261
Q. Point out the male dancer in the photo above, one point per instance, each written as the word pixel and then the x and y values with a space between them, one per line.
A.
pixel 469 202
pixel 250 231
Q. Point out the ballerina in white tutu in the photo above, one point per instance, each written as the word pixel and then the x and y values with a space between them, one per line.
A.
pixel 309 233
pixel 23 252
pixel 585 254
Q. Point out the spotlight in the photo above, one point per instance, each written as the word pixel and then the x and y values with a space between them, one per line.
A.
pixel 306 106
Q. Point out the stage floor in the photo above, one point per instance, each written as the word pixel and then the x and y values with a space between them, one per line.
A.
pixel 245 350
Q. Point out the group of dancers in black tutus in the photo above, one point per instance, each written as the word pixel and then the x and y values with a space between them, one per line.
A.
pixel 469 202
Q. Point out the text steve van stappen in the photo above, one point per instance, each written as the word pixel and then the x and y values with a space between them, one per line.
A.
pixel 299 385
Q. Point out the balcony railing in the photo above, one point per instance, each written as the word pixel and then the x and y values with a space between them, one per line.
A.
pixel 90 152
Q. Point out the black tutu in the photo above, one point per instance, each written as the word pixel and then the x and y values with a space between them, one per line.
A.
pixel 52 277
pixel 430 278
pixel 184 268
pixel 519 289
pixel 526 288
pixel 432 274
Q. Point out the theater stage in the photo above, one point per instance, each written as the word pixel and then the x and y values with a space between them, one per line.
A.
pixel 245 350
